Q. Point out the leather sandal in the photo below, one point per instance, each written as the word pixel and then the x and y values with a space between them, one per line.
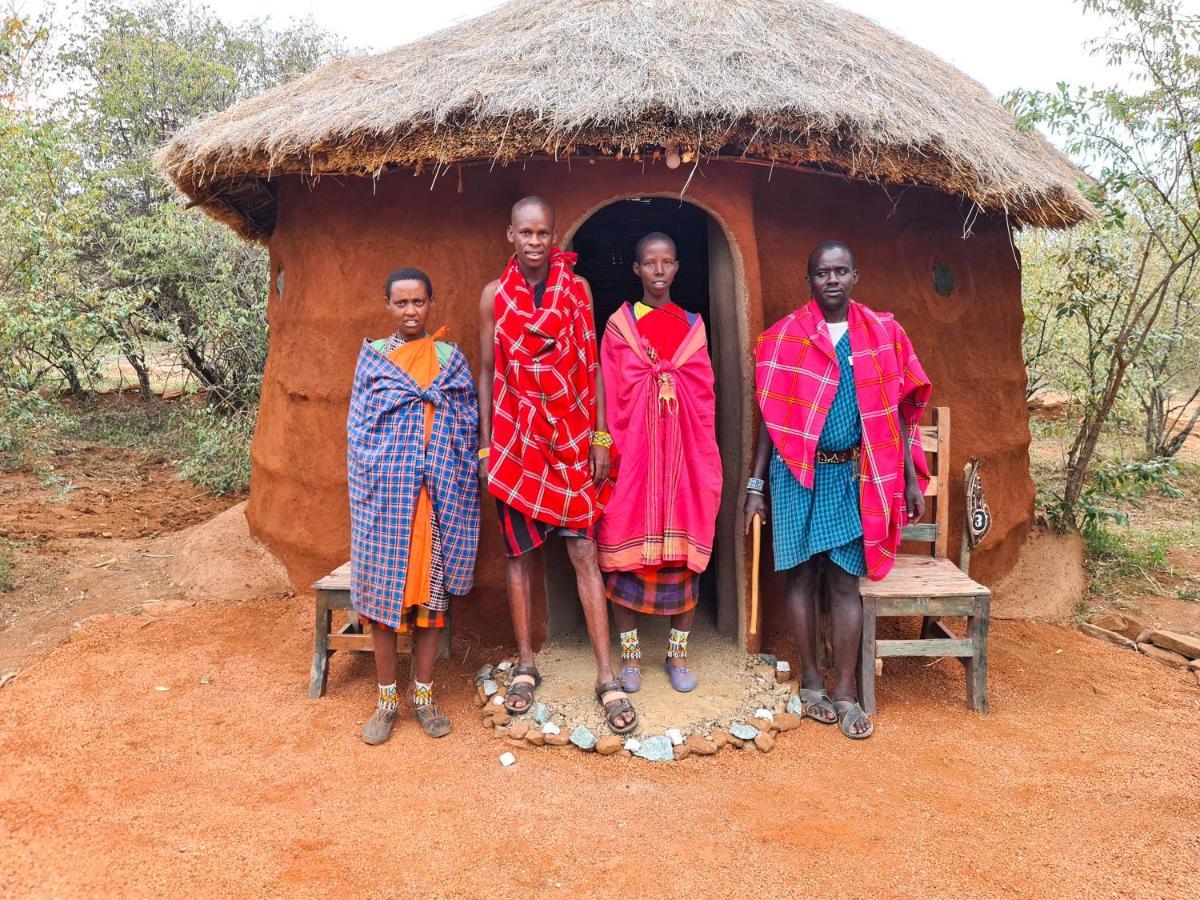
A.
pixel 522 690
pixel 849 715
pixel 616 707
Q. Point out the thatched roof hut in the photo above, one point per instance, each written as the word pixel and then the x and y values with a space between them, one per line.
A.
pixel 800 83
pixel 719 122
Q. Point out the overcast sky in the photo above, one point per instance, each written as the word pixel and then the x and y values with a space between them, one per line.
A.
pixel 1002 43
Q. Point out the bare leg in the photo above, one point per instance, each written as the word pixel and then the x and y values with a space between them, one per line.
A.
pixel 383 640
pixel 846 610
pixel 425 644
pixel 520 605
pixel 682 622
pixel 802 616
pixel 802 594
pixel 595 611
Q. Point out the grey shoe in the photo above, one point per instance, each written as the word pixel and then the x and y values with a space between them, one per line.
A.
pixel 630 678
pixel 681 677
pixel 379 727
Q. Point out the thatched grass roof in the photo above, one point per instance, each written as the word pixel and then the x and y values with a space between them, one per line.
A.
pixel 792 82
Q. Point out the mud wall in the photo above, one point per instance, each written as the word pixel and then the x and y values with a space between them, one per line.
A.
pixel 335 243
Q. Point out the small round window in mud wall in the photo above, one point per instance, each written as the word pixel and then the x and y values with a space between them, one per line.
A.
pixel 279 284
pixel 943 279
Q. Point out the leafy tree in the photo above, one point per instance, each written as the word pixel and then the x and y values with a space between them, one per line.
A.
pixel 1144 146
pixel 145 70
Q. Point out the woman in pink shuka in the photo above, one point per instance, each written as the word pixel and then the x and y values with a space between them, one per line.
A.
pixel 656 533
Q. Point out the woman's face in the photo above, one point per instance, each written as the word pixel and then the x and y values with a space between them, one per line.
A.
pixel 657 269
pixel 408 304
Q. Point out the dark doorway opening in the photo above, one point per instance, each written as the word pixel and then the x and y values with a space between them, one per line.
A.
pixel 605 245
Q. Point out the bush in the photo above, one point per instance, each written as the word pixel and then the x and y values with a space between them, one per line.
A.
pixel 25 421
pixel 217 443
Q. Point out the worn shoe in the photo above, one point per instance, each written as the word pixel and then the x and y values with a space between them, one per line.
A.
pixel 379 727
pixel 631 679
pixel 681 677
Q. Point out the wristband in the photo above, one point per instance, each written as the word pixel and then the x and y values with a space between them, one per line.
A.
pixel 601 439
pixel 755 485
pixel 484 453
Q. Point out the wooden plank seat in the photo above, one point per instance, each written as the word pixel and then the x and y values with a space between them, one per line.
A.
pixel 930 586
pixel 333 593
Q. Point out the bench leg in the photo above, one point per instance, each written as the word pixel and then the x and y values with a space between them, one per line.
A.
pixel 321 652
pixel 927 627
pixel 977 631
pixel 866 662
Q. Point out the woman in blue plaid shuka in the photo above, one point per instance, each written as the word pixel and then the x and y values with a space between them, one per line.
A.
pixel 411 439
pixel 825 519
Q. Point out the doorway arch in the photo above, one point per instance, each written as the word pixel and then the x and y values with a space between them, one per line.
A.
pixel 711 283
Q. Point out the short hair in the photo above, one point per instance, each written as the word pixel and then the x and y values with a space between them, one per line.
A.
pixel 533 200
pixel 651 238
pixel 407 274
pixel 829 245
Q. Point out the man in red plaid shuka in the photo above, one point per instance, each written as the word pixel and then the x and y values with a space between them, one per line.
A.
pixel 544 449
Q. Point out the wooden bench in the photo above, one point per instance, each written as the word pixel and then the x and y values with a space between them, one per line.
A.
pixel 930 586
pixel 333 592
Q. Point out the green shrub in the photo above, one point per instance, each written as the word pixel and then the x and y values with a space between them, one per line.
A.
pixel 218 449
pixel 7 583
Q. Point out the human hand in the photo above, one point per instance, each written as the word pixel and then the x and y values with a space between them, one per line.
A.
pixel 756 504
pixel 914 500
pixel 601 461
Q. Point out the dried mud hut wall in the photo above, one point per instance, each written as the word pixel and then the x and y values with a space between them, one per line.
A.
pixel 336 241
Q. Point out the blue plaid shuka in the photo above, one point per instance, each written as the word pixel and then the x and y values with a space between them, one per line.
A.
pixel 827 518
pixel 387 461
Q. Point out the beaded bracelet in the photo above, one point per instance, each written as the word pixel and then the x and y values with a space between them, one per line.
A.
pixel 601 439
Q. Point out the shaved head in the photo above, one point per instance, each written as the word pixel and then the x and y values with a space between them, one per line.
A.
pixel 653 237
pixel 822 248
pixel 526 202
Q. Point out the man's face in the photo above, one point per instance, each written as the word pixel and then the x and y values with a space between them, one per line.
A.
pixel 408 305
pixel 657 268
pixel 832 278
pixel 532 235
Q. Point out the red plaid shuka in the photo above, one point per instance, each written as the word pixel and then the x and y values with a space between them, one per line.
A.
pixel 796 376
pixel 544 398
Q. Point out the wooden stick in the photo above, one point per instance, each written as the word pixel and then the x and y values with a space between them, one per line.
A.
pixel 756 531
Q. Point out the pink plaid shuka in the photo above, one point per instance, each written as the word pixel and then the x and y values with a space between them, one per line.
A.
pixel 796 377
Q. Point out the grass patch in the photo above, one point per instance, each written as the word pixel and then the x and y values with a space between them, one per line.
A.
pixel 7 580
pixel 210 447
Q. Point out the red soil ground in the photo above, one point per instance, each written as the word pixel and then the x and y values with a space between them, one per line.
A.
pixel 1082 781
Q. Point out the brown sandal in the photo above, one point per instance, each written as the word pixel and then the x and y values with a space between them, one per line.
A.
pixel 617 706
pixel 522 690
pixel 432 720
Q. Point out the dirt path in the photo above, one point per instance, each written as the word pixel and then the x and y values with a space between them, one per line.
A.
pixel 92 538
pixel 1082 781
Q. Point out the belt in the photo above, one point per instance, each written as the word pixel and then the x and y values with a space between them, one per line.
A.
pixel 839 456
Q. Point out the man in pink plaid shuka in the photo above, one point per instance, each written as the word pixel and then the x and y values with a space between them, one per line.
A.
pixel 796 376
pixel 842 485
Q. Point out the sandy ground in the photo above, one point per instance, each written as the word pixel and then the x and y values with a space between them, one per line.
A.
pixel 1083 780
pixel 726 690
